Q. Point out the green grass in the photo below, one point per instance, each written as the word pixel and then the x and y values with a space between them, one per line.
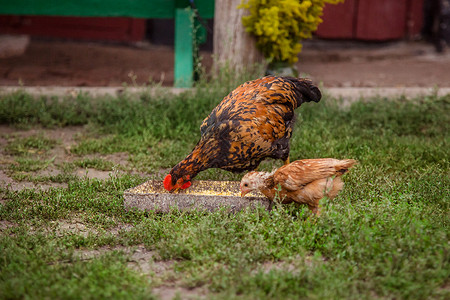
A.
pixel 29 165
pixel 45 268
pixel 385 236
pixel 37 144
pixel 95 163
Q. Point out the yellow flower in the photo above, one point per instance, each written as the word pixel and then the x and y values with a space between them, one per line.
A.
pixel 279 26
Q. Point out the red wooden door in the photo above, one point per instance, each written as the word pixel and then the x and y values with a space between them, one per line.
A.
pixel 381 19
pixel 372 19
pixel 338 20
pixel 415 17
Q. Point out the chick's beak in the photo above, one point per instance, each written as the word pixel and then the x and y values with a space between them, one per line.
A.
pixel 243 193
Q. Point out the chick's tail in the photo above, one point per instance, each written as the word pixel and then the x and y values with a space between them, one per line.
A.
pixel 342 166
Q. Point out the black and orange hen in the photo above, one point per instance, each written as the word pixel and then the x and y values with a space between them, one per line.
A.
pixel 253 122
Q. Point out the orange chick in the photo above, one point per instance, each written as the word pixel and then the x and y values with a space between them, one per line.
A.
pixel 304 181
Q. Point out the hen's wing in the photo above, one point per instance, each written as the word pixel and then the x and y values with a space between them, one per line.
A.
pixel 255 120
pixel 287 93
pixel 301 172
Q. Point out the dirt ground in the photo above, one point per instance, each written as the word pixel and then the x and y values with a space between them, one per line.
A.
pixel 335 63
pixel 68 63
pixel 140 259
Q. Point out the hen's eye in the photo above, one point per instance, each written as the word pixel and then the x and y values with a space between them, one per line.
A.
pixel 245 184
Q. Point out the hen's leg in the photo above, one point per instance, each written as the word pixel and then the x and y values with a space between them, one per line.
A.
pixel 280 150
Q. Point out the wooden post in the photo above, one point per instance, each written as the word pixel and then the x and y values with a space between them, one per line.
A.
pixel 183 71
pixel 233 46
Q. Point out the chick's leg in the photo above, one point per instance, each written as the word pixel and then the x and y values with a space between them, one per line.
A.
pixel 315 210
pixel 287 161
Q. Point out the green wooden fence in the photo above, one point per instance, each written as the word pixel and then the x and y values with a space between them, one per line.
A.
pixel 149 9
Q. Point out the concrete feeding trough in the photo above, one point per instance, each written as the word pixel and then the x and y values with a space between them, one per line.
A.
pixel 202 195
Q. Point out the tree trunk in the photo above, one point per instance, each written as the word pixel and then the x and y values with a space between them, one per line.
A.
pixel 233 46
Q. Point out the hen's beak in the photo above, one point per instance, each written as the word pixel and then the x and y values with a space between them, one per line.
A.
pixel 243 193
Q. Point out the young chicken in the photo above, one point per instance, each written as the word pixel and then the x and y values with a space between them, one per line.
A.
pixel 303 181
pixel 252 123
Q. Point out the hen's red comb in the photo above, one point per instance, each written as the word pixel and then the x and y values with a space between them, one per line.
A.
pixel 168 182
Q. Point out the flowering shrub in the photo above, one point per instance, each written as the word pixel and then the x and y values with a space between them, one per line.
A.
pixel 280 25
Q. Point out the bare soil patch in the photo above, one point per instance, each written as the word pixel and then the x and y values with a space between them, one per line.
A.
pixel 147 262
pixel 66 137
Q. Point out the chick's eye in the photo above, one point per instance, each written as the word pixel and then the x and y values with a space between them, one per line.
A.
pixel 245 184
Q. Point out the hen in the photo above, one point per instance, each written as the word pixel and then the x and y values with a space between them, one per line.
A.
pixel 253 122
pixel 303 181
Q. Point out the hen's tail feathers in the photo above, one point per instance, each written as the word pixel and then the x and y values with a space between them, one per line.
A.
pixel 306 91
pixel 344 165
